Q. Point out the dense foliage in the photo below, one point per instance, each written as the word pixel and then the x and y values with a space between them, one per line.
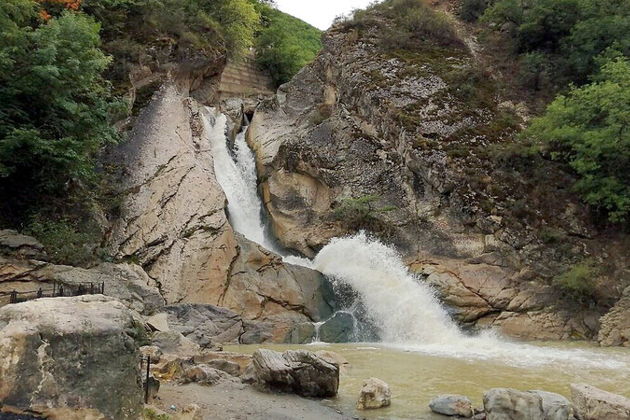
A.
pixel 564 37
pixel 590 129
pixel 285 44
pixel 54 103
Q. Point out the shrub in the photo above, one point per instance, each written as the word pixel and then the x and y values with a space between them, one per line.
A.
pixel 413 25
pixel 285 44
pixel 64 242
pixel 472 10
pixel 360 212
pixel 588 129
pixel 579 281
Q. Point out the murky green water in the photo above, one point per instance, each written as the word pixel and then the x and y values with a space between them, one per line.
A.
pixel 417 376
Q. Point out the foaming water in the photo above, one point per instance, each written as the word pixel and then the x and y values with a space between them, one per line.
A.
pixel 410 317
pixel 237 177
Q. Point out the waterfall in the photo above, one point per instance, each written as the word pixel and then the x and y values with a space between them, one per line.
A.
pixel 237 176
pixel 403 308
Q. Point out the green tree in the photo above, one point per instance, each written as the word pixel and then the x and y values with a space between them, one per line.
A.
pixel 285 44
pixel 590 129
pixel 54 106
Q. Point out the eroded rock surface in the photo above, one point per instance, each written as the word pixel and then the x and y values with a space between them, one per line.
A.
pixel 507 403
pixel 174 224
pixel 365 121
pixel 62 353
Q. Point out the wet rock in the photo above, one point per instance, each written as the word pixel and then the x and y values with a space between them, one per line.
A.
pixel 298 371
pixel 63 354
pixel 452 405
pixel 511 404
pixel 338 329
pixel 302 333
pixel 375 393
pixel 555 406
pixel 615 325
pixel 592 403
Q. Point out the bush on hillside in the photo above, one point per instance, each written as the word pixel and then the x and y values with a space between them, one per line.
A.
pixel 414 24
pixel 588 128
pixel 285 44
pixel 578 281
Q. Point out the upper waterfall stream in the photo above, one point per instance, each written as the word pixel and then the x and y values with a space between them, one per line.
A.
pixel 403 308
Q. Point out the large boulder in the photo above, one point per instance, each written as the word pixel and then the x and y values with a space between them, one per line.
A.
pixel 298 371
pixel 70 354
pixel 592 403
pixel 452 405
pixel 375 393
pixel 511 404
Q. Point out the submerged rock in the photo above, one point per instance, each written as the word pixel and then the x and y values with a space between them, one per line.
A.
pixel 452 405
pixel 61 354
pixel 375 393
pixel 592 403
pixel 511 404
pixel 298 371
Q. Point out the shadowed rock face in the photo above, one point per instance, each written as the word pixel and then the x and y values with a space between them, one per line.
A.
pixel 362 121
pixel 62 353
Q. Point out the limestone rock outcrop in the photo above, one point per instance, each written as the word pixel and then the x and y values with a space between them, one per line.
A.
pixel 298 371
pixel 591 403
pixel 363 121
pixel 60 354
pixel 615 325
pixel 174 224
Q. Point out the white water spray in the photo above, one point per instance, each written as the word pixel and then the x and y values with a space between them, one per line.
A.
pixel 404 308
pixel 237 177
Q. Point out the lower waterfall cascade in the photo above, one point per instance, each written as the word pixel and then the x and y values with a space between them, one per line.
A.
pixel 403 308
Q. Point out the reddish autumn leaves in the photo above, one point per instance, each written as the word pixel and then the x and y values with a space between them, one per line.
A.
pixel 66 4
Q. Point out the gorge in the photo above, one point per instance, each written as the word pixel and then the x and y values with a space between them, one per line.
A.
pixel 394 207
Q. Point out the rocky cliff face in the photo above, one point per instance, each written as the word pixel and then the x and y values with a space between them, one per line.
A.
pixel 173 223
pixel 424 131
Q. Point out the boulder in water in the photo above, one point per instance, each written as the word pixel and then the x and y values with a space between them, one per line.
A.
pixel 555 406
pixel 374 394
pixel 592 403
pixel 511 404
pixel 70 358
pixel 298 371
pixel 452 405
pixel 337 329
